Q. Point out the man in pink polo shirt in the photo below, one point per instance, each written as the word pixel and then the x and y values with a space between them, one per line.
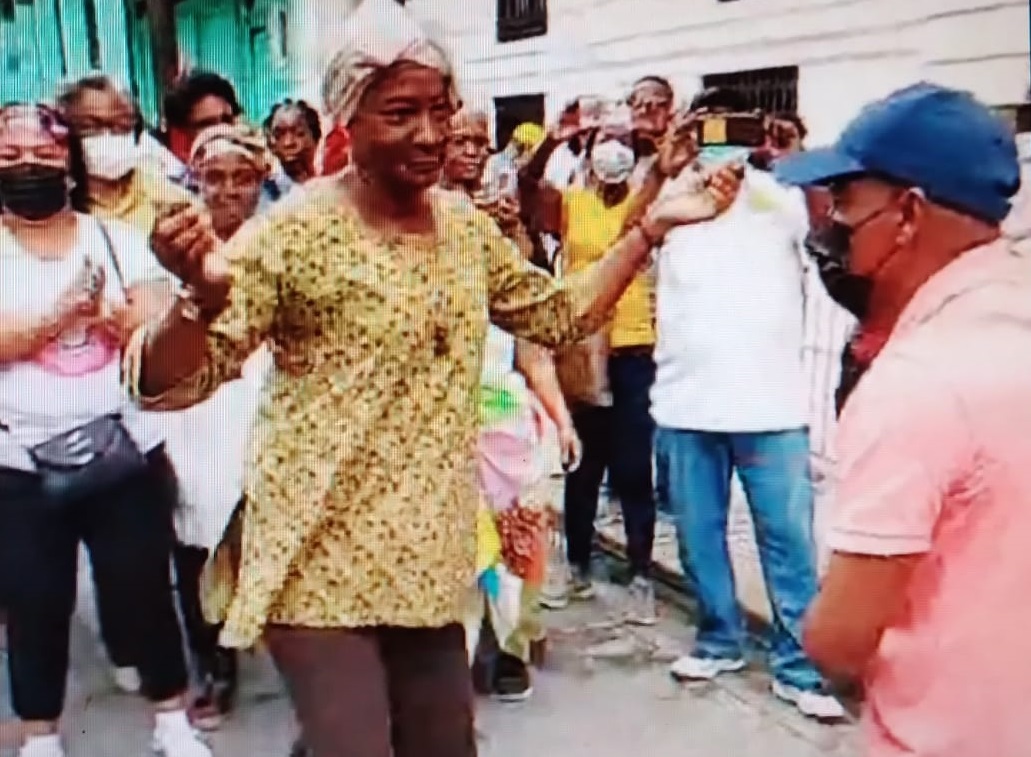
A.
pixel 926 597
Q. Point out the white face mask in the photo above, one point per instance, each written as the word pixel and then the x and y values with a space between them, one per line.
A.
pixel 110 156
pixel 612 162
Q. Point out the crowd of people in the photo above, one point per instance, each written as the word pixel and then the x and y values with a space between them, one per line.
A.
pixel 290 384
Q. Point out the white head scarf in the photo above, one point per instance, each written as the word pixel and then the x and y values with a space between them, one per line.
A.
pixel 231 139
pixel 377 34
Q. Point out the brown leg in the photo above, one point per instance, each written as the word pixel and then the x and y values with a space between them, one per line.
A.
pixel 338 686
pixel 431 693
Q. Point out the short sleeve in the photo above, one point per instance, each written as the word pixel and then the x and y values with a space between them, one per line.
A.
pixel 528 302
pixel 255 254
pixel 902 444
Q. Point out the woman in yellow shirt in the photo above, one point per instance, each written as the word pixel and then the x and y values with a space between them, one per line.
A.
pixel 593 217
pixel 375 289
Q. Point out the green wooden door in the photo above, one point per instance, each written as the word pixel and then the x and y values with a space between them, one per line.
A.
pixel 245 45
pixel 209 36
pixel 268 76
pixel 31 52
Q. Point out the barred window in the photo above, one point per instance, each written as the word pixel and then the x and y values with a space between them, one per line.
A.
pixel 522 19
pixel 769 89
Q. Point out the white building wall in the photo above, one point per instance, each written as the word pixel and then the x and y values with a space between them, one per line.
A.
pixel 848 51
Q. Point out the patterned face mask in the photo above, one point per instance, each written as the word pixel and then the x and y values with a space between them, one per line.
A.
pixel 612 162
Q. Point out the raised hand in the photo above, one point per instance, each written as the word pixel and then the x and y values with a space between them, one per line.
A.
pixel 721 190
pixel 679 146
pixel 185 243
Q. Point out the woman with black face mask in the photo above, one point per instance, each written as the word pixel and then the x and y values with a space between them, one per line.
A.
pixel 76 462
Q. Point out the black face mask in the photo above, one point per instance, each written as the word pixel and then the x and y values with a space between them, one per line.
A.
pixel 34 192
pixel 830 247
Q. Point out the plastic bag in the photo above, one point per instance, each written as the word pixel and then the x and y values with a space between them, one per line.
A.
pixel 208 445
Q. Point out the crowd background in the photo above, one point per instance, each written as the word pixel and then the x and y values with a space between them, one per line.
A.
pixel 85 183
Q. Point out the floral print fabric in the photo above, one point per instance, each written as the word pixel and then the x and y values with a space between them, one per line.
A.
pixel 362 495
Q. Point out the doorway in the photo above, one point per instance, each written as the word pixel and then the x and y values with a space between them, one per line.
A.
pixel 509 112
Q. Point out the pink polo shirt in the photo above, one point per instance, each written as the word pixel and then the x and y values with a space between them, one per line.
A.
pixel 935 459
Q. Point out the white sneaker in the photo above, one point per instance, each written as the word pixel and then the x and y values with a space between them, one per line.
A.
pixel 127 680
pixel 690 668
pixel 554 595
pixel 641 607
pixel 812 704
pixel 42 746
pixel 175 737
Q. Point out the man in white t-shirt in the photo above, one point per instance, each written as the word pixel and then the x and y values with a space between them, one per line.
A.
pixel 729 396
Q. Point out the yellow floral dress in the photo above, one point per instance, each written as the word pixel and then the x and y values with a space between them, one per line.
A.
pixel 362 487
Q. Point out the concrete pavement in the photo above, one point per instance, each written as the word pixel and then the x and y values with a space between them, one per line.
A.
pixel 604 692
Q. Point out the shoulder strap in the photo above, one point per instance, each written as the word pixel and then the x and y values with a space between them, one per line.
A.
pixel 112 255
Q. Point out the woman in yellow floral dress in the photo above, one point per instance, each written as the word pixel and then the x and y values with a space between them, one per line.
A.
pixel 375 290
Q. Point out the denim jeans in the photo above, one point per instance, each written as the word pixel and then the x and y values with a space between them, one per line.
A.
pixel 696 469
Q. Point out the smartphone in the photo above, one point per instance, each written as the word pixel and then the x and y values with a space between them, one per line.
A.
pixel 731 130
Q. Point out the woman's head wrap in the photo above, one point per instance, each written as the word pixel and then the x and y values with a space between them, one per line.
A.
pixel 378 34
pixel 528 135
pixel 235 139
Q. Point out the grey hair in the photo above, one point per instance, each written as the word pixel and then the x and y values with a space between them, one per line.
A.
pixel 95 81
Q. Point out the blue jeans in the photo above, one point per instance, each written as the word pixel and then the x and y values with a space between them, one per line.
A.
pixel 695 468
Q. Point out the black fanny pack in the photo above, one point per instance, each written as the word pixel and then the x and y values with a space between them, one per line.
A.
pixel 88 459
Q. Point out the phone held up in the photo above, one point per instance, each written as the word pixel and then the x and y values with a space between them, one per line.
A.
pixel 731 130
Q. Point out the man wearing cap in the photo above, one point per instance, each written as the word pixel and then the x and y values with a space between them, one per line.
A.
pixel 926 594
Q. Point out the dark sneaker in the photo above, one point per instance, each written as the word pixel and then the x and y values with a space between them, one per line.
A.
pixel 581 584
pixel 511 679
pixel 218 695
pixel 481 673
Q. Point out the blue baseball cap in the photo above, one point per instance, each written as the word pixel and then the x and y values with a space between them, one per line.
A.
pixel 941 140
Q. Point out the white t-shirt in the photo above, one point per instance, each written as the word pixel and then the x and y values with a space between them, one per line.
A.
pixel 75 378
pixel 730 302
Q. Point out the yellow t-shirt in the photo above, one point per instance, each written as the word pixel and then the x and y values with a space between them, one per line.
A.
pixel 589 230
pixel 139 206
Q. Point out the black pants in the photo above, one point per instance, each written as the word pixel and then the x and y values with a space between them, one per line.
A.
pixel 619 439
pixel 201 636
pixel 129 533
